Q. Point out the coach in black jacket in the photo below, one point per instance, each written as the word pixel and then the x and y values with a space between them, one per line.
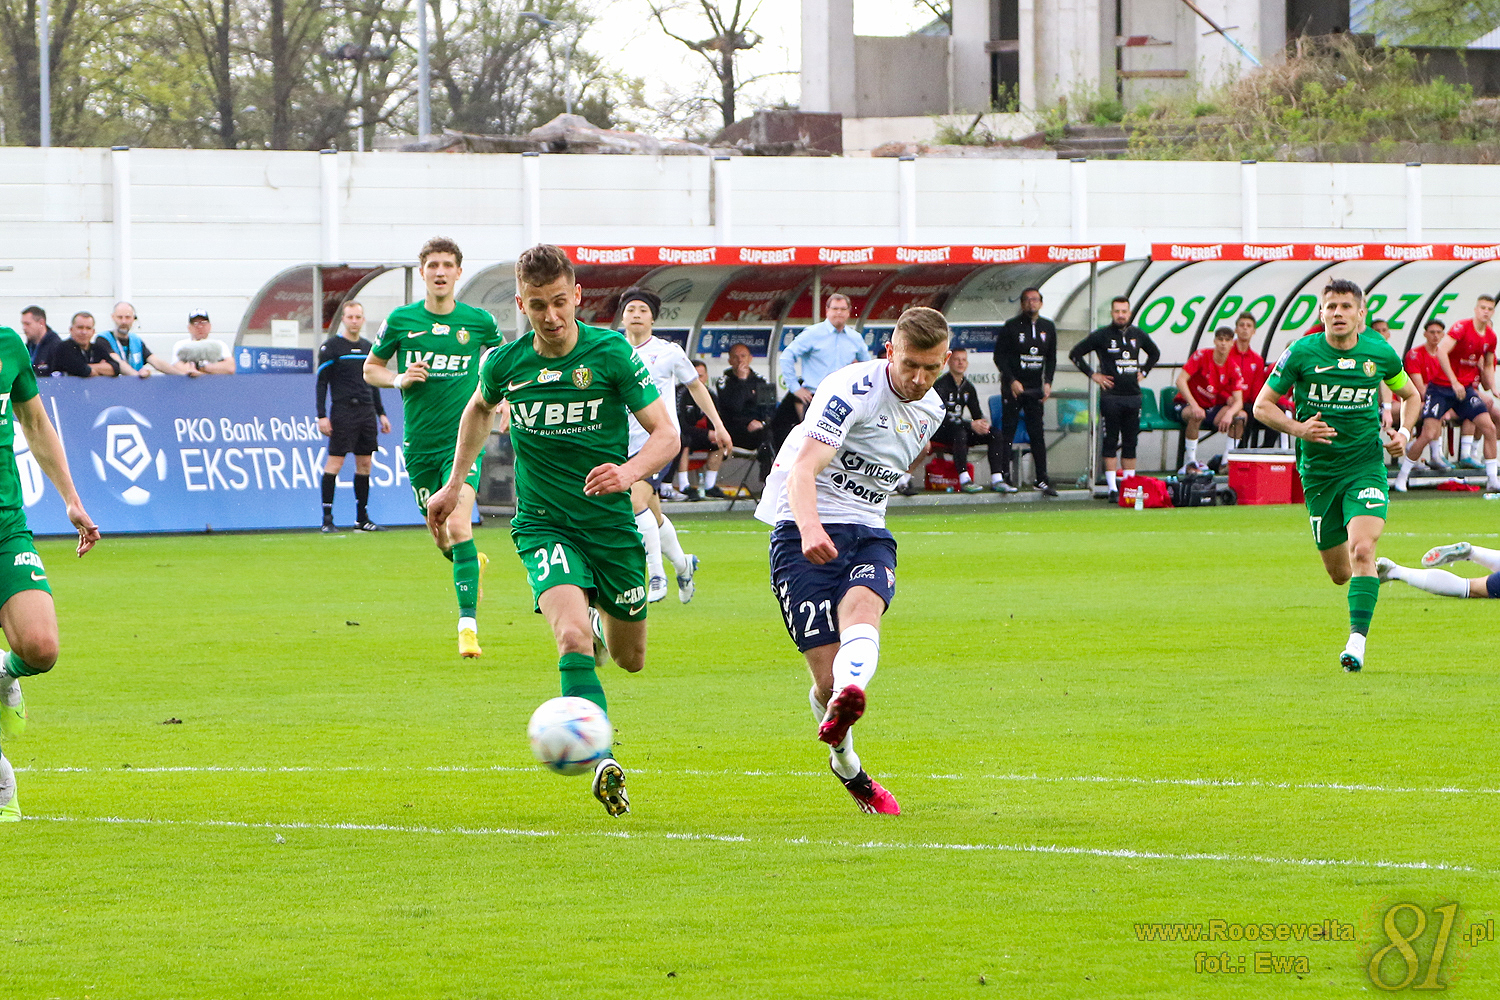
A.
pixel 1126 356
pixel 1026 356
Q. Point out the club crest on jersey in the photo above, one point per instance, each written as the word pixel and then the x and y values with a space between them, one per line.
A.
pixel 1369 368
pixel 583 377
pixel 462 335
pixel 440 329
pixel 547 375
pixel 1346 362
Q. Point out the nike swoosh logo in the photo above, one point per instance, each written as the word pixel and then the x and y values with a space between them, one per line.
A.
pixel 36 576
pixel 1325 368
pixel 513 386
pixel 1374 505
pixel 415 333
pixel 637 609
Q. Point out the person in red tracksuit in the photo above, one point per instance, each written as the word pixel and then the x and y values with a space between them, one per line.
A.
pixel 1209 391
pixel 1252 370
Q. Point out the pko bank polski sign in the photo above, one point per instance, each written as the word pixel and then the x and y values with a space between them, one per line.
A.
pixel 220 452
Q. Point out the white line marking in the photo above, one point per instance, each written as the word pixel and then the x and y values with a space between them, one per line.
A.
pixel 1314 786
pixel 1094 852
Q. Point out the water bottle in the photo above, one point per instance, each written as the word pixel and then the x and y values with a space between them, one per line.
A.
pixel 1140 499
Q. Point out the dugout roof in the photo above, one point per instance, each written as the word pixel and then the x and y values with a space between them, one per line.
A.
pixel 1190 289
pixel 715 297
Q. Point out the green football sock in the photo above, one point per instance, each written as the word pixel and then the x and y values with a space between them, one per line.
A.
pixel 579 679
pixel 447 554
pixel 14 666
pixel 466 577
pixel 1363 592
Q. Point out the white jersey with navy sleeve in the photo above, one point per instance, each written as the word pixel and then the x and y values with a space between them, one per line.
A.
pixel 876 436
pixel 669 367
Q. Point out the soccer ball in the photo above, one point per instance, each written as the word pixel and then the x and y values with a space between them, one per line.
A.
pixel 570 735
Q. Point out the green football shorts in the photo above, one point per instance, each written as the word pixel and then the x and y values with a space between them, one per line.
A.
pixel 1333 503
pixel 608 563
pixel 429 474
pixel 20 566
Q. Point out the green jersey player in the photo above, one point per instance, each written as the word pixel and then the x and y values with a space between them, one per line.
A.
pixel 437 344
pixel 26 611
pixel 1335 378
pixel 569 389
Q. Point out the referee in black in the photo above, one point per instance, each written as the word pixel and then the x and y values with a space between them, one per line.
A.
pixel 1126 356
pixel 356 410
pixel 1026 357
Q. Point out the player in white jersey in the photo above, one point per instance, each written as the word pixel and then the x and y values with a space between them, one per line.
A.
pixel 833 563
pixel 1439 581
pixel 669 367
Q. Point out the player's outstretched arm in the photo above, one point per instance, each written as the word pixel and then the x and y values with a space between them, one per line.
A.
pixel 47 448
pixel 802 497
pixel 473 431
pixel 658 450
pixel 705 401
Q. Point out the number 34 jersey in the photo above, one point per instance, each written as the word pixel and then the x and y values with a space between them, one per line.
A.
pixel 875 434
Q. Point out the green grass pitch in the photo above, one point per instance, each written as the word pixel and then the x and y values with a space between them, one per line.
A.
pixel 1093 718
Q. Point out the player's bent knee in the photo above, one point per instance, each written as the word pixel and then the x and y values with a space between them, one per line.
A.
pixel 38 651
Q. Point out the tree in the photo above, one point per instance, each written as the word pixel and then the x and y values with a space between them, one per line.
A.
pixel 942 10
pixel 1434 22
pixel 75 30
pixel 730 23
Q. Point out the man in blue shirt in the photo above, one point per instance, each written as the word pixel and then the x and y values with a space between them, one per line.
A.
pixel 822 349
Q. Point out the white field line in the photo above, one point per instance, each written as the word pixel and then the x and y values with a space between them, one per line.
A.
pixel 1093 852
pixel 1316 786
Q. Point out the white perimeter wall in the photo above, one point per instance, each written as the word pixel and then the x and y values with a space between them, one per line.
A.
pixel 210 227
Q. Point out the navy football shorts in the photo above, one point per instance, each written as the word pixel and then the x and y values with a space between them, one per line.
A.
pixel 1441 398
pixel 809 595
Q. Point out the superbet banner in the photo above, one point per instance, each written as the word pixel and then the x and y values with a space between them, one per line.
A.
pixel 1050 253
pixel 1189 252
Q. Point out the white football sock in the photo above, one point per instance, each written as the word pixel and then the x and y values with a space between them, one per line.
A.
pixel 672 548
pixel 8 782
pixel 1489 468
pixel 995 477
pixel 1434 581
pixel 682 481
pixel 1488 558
pixel 964 477
pixel 1434 451
pixel 1190 452
pixel 819 708
pixel 468 623
pixel 1356 645
pixel 651 539
pixel 10 689
pixel 857 658
pixel 710 478
pixel 1110 480
pixel 844 760
pixel 1405 473
pixel 1465 446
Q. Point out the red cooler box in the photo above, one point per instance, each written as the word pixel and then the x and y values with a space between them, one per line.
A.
pixel 1265 475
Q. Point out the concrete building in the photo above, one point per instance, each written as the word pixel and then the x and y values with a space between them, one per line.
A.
pixel 1037 52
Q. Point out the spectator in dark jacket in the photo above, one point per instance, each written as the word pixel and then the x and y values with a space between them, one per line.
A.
pixel 1026 357
pixel 82 354
pixel 41 339
pixel 745 402
pixel 964 424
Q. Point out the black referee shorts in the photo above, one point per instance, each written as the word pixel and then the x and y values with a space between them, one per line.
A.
pixel 355 430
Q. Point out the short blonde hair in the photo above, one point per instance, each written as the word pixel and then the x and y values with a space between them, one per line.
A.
pixel 923 328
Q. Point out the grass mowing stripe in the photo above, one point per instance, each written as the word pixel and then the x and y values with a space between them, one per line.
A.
pixel 1095 852
pixel 1092 779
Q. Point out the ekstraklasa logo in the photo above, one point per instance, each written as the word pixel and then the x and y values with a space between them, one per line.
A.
pixel 127 453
